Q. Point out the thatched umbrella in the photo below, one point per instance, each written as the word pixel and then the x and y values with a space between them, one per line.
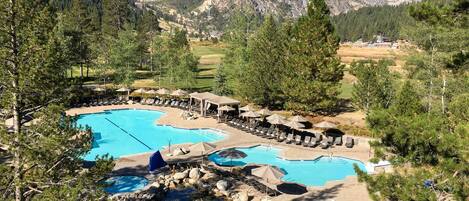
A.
pixel 298 119
pixel 179 92
pixel 163 91
pixel 151 92
pixel 203 147
pixel 325 125
pixel 264 112
pixel 250 114
pixel 269 173
pixel 247 108
pixel 294 125
pixel 226 108
pixel 124 89
pixel 99 89
pixel 275 116
pixel 140 91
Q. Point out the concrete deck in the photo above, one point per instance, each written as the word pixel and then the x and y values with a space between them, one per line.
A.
pixel 348 189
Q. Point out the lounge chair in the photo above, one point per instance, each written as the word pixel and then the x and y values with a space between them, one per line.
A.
pixel 314 141
pixel 349 142
pixel 324 144
pixel 289 138
pixel 338 141
pixel 307 141
pixel 330 140
pixel 281 137
pixel 298 139
pixel 166 103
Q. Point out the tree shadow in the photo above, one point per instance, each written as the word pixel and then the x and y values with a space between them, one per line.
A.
pixel 325 194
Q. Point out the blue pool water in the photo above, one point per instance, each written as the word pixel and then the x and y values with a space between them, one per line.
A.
pixel 309 172
pixel 125 184
pixel 126 132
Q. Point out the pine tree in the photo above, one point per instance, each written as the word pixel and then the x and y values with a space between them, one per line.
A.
pixel 374 87
pixel 220 82
pixel 116 14
pixel 124 56
pixel 34 59
pixel 264 71
pixel 313 72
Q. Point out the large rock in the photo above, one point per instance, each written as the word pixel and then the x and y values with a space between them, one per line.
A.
pixel 222 185
pixel 241 196
pixel 180 175
pixel 209 176
pixel 194 173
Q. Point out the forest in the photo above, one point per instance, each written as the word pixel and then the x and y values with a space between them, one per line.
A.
pixel 366 23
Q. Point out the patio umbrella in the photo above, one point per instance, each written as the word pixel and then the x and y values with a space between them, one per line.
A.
pixel 247 108
pixel 250 114
pixel 226 108
pixel 325 125
pixel 151 92
pixel 232 154
pixel 179 92
pixel 141 90
pixel 163 91
pixel 277 121
pixel 203 147
pixel 264 112
pixel 269 173
pixel 124 89
pixel 275 116
pixel 298 118
pixel 292 188
pixel 295 125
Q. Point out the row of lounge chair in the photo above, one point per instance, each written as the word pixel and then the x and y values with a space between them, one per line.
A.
pixel 102 103
pixel 166 103
pixel 281 136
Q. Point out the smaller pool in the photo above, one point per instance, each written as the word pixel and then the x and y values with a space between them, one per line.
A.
pixel 125 184
pixel 308 172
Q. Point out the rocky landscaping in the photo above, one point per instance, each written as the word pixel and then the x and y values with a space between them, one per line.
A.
pixel 206 184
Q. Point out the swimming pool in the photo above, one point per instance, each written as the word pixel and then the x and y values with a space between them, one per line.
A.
pixel 125 184
pixel 127 132
pixel 308 172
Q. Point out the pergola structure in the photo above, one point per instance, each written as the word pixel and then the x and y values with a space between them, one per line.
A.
pixel 206 99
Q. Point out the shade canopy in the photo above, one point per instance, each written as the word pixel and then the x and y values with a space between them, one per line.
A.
pixel 123 89
pixel 232 154
pixel 179 92
pixel 247 108
pixel 214 99
pixel 295 125
pixel 202 147
pixel 151 92
pixel 264 112
pixel 298 118
pixel 250 114
pixel 141 90
pixel 163 91
pixel 99 89
pixel 325 125
pixel 226 108
pixel 269 173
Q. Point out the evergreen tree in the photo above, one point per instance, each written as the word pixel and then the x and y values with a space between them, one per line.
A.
pixel 34 59
pixel 124 56
pixel 313 72
pixel 116 14
pixel 220 87
pixel 374 87
pixel 264 71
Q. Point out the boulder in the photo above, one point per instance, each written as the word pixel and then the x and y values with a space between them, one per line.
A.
pixel 192 181
pixel 241 196
pixel 194 173
pixel 222 185
pixel 156 184
pixel 172 185
pixel 209 176
pixel 180 175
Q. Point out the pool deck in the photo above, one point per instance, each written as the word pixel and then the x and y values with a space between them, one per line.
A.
pixel 348 189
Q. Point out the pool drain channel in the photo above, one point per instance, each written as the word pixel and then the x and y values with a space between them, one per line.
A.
pixel 129 134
